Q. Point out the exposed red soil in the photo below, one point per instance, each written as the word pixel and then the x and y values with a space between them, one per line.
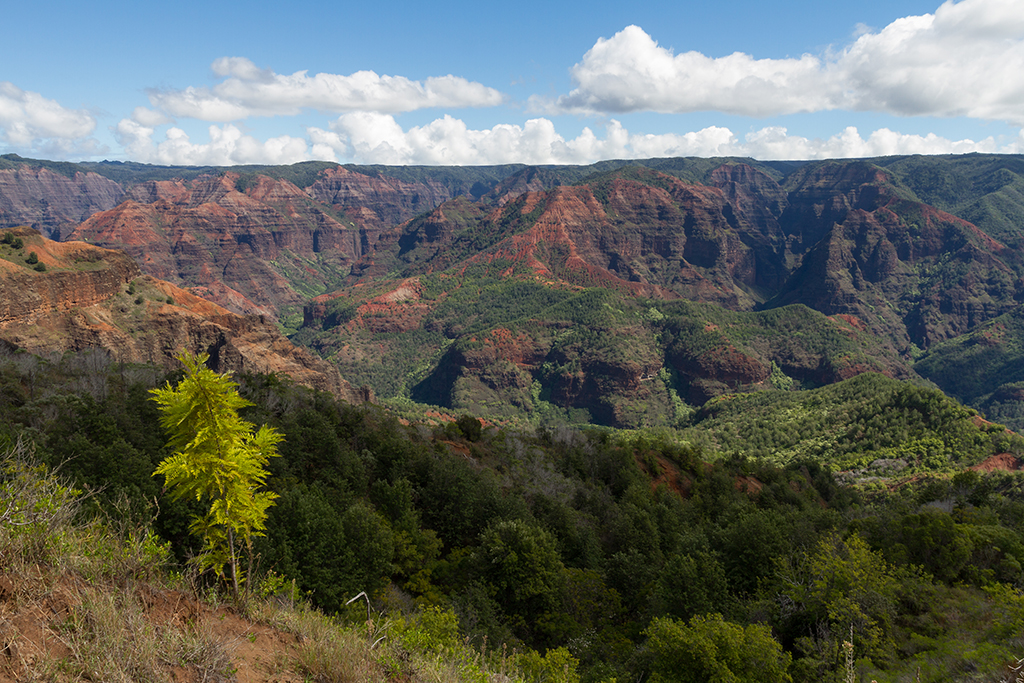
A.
pixel 670 476
pixel 34 621
pixel 1006 462
pixel 851 320
pixel 749 485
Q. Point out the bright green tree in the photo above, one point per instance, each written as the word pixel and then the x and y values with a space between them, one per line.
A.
pixel 855 587
pixel 219 460
pixel 709 649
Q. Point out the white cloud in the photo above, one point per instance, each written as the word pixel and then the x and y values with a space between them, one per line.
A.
pixel 366 137
pixel 777 143
pixel 966 59
pixel 630 72
pixel 228 146
pixel 149 117
pixel 31 122
pixel 249 91
pixel 369 138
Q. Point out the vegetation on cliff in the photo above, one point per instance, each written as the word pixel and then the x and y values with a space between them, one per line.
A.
pixel 611 553
pixel 789 482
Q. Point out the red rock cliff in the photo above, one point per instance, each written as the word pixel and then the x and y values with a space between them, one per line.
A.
pixel 53 203
pixel 93 298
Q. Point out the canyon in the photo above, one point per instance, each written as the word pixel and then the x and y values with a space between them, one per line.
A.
pixel 518 290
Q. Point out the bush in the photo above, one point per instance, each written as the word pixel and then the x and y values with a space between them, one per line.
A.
pixel 708 648
pixel 36 509
pixel 471 427
pixel 32 258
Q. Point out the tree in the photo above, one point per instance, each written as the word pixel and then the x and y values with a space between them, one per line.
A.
pixel 526 575
pixel 710 649
pixel 218 460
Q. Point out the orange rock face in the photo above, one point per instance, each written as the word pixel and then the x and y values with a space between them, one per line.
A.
pixel 251 251
pixel 89 298
pixel 382 201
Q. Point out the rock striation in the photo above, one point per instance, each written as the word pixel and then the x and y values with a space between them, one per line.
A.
pixel 260 250
pixel 93 298
pixel 53 203
pixel 376 201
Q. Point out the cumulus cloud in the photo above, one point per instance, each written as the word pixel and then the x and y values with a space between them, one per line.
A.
pixel 228 146
pixel 631 72
pixel 370 138
pixel 250 91
pixel 31 122
pixel 966 59
pixel 374 138
pixel 149 117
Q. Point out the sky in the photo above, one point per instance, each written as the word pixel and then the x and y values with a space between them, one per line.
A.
pixel 535 82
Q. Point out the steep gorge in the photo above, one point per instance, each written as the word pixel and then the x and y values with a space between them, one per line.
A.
pixel 87 298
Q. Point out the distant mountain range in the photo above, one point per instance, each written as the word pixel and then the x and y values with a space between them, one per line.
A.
pixel 623 293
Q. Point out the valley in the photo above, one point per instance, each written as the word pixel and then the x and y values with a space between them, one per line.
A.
pixel 593 413
pixel 407 282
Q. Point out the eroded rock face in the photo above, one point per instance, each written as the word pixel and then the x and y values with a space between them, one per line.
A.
pixel 914 273
pixel 380 202
pixel 53 203
pixel 93 277
pixel 89 298
pixel 257 251
pixel 658 236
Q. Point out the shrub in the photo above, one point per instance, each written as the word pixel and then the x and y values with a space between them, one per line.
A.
pixel 471 427
pixel 36 509
pixel 709 648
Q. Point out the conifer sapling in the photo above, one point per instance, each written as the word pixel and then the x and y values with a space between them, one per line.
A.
pixel 219 460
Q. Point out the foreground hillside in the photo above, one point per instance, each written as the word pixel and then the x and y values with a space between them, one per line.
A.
pixel 96 598
pixel 598 553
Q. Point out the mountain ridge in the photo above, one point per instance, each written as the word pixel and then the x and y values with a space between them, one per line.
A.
pixel 88 298
pixel 363 252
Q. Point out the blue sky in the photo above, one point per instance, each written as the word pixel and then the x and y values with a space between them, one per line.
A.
pixel 529 82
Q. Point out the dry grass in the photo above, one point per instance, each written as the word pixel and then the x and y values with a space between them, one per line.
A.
pixel 83 600
pixel 110 636
pixel 326 652
pixel 92 601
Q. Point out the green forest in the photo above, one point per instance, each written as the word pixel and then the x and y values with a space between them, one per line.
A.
pixel 823 535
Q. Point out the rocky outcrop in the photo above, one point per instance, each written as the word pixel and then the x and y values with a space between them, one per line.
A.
pixel 93 298
pixel 77 276
pixel 913 273
pixel 258 251
pixel 532 179
pixel 53 203
pixel 652 236
pixel 754 205
pixel 379 201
